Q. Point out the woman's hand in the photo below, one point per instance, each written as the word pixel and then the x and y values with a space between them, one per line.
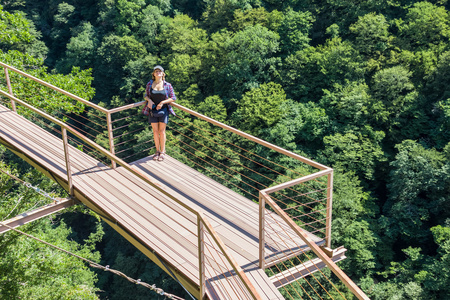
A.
pixel 159 106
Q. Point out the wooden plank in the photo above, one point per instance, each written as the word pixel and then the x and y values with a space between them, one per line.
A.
pixel 260 280
pixel 12 133
pixel 152 216
pixel 152 236
pixel 145 190
pixel 243 221
pixel 52 152
pixel 210 201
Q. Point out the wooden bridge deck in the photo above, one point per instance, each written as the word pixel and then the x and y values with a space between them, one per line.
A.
pixel 160 228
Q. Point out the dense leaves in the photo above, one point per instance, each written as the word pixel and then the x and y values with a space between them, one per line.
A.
pixel 32 270
pixel 362 86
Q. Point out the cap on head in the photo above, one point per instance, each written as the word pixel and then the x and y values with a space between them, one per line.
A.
pixel 158 67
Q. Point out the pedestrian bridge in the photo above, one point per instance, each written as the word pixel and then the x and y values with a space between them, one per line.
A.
pixel 224 222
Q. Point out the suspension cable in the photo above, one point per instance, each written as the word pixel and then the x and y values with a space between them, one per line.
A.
pixel 98 266
pixel 29 185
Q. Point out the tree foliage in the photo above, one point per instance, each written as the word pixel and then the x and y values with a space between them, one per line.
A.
pixel 362 86
pixel 32 270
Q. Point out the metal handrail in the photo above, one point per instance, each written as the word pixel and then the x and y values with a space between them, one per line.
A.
pixel 323 170
pixel 84 101
pixel 141 175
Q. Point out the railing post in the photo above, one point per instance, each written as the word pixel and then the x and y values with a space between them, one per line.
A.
pixel 66 154
pixel 201 257
pixel 262 241
pixel 110 137
pixel 329 210
pixel 8 82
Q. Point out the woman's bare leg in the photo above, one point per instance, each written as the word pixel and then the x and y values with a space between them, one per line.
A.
pixel 162 137
pixel 156 138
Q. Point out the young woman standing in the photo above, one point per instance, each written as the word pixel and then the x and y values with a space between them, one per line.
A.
pixel 159 94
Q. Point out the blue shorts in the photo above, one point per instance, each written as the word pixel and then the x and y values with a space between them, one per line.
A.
pixel 159 116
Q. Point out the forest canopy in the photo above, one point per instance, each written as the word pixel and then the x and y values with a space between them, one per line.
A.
pixel 360 86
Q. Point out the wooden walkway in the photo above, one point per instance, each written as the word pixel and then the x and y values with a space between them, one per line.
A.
pixel 160 228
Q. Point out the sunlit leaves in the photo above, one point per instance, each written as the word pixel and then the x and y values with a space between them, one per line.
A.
pixel 250 59
pixel 309 71
pixel 260 107
pixel 355 151
pixel 371 33
pixel 81 49
pixel 294 31
pixel 77 82
pixel 31 270
pixel 13 28
pixel 425 23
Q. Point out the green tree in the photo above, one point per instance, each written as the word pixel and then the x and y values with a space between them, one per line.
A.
pixel 302 127
pixel 250 59
pixel 121 255
pixel 371 33
pixel 219 13
pixel 112 56
pixel 182 44
pixel 19 33
pixel 355 151
pixel 437 90
pixel 437 277
pixel 81 49
pixel 65 18
pixel 192 8
pixel 260 108
pixel 128 15
pixel 13 28
pixel 348 105
pixel 182 36
pixel 308 72
pixel 136 75
pixel 294 31
pixel 418 276
pixel 425 24
pixel 418 192
pixel 213 107
pixel 147 30
pixel 29 269
pixel 76 82
pixel 396 104
pixel 353 210
pixel 270 20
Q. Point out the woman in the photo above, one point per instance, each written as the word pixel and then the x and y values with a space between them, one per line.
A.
pixel 159 94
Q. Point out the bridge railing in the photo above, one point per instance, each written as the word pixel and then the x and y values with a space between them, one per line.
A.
pixel 213 257
pixel 123 132
pixel 303 201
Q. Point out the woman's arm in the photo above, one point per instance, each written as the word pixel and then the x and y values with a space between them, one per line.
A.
pixel 170 94
pixel 167 101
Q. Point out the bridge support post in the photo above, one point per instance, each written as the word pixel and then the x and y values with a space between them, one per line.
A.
pixel 201 257
pixel 110 137
pixel 8 82
pixel 329 210
pixel 66 154
pixel 262 242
